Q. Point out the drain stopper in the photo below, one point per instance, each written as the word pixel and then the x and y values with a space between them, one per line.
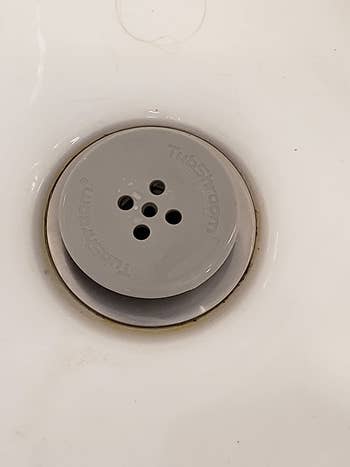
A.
pixel 149 212
pixel 150 226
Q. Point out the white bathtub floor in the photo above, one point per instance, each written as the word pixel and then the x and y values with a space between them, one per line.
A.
pixel 264 380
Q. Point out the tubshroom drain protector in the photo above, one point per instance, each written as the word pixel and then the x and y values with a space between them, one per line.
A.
pixel 150 226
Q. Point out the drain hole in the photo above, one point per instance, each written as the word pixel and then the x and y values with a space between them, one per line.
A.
pixel 125 203
pixel 157 187
pixel 173 216
pixel 141 232
pixel 149 210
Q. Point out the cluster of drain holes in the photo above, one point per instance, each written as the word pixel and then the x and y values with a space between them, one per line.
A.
pixel 142 231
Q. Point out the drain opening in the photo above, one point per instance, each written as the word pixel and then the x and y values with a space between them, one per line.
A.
pixel 173 217
pixel 157 187
pixel 125 203
pixel 149 210
pixel 141 232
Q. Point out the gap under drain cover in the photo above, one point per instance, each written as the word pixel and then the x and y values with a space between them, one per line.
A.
pixel 149 213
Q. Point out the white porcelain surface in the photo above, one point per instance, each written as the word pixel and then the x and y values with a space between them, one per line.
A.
pixel 263 380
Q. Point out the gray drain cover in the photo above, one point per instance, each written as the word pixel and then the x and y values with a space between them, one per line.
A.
pixel 150 212
pixel 150 226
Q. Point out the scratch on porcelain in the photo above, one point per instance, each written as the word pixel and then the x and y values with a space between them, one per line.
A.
pixel 37 180
pixel 275 247
pixel 42 56
pixel 173 117
pixel 152 113
pixel 75 140
pixel 275 250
